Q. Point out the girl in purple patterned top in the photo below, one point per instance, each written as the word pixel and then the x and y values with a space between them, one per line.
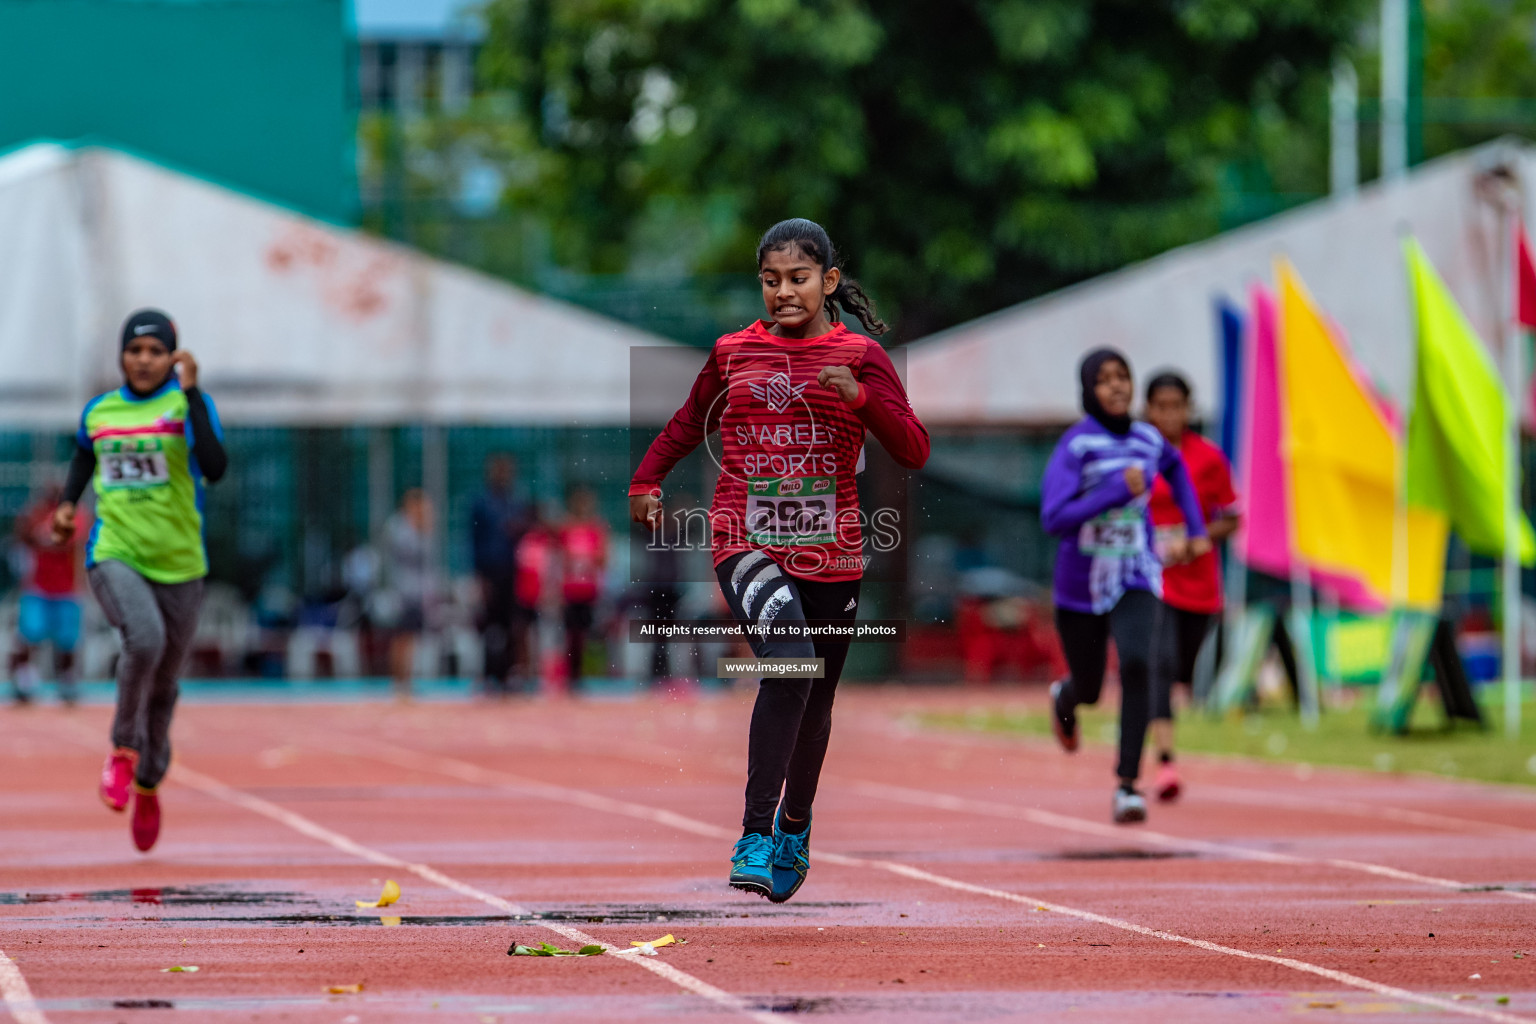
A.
pixel 1108 580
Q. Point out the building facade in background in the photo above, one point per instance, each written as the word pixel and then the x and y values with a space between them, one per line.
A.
pixel 415 56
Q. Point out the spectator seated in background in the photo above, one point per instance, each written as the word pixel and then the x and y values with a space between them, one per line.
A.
pixel 406 604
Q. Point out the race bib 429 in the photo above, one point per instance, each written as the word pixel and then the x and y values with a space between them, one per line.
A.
pixel 1118 533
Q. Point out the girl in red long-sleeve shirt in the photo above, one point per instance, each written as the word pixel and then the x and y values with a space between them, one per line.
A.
pixel 793 397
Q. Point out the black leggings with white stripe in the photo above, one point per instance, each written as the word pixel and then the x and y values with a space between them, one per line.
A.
pixel 792 719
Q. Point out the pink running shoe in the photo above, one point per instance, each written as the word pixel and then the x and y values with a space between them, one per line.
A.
pixel 146 818
pixel 116 777
pixel 1063 724
pixel 1167 785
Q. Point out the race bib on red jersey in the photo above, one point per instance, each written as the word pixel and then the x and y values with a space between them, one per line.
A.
pixel 793 511
pixel 788 454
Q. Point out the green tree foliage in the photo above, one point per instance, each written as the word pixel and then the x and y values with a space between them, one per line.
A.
pixel 1480 48
pixel 1479 71
pixel 965 154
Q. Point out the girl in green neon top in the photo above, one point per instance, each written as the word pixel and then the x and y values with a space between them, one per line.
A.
pixel 147 446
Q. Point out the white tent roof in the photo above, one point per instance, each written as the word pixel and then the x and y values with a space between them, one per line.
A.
pixel 292 320
pixel 1019 366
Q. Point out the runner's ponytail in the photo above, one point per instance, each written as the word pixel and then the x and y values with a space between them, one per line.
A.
pixel 850 296
pixel 811 239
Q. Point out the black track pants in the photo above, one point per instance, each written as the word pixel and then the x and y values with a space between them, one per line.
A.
pixel 1085 641
pixel 792 719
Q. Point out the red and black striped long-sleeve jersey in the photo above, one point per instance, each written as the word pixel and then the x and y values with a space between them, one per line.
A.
pixel 789 447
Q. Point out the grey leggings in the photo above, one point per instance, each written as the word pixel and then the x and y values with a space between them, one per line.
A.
pixel 157 622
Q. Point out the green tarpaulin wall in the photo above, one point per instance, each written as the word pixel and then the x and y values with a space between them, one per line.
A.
pixel 256 94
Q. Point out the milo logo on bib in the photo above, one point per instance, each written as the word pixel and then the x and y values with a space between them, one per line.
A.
pixel 778 515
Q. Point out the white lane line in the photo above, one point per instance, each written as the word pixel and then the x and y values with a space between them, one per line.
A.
pixel 506 781
pixel 17 995
pixel 1067 823
pixel 1426 819
pixel 1050 819
pixel 465 771
pixel 1338 977
pixel 652 753
pixel 1026 745
pixel 683 980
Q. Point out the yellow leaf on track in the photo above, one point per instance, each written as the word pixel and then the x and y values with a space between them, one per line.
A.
pixel 665 940
pixel 389 922
pixel 344 990
pixel 390 894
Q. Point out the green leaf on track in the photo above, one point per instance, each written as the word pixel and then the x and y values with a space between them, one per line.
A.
pixel 178 970
pixel 545 949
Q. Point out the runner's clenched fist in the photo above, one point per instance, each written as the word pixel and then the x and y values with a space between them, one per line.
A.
pixel 841 380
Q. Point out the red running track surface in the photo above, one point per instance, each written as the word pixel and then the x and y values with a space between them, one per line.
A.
pixel 954 877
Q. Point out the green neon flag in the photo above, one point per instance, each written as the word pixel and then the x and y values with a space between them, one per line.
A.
pixel 1456 429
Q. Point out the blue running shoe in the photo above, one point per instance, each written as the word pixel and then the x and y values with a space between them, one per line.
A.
pixel 750 864
pixel 791 860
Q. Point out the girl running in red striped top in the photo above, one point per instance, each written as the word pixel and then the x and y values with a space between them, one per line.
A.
pixel 1191 580
pixel 793 397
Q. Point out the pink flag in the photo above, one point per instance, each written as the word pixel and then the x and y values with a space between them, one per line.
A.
pixel 1265 543
pixel 1525 309
pixel 1525 280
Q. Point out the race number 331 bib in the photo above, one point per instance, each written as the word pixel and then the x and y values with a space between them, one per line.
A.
pixel 1116 533
pixel 789 511
pixel 134 469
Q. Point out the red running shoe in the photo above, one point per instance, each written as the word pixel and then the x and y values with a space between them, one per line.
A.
pixel 1063 725
pixel 1167 786
pixel 116 777
pixel 146 818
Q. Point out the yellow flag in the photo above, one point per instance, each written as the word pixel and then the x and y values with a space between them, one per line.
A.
pixel 1343 457
pixel 1428 533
